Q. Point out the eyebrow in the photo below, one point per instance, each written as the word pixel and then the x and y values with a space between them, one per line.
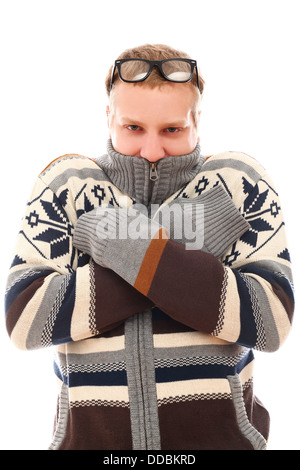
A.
pixel 175 123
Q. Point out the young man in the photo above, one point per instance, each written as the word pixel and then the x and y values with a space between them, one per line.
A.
pixel 154 324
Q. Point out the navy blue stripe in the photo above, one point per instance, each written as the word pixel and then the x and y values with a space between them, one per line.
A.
pixel 194 372
pixel 77 379
pixel 248 333
pixel 272 278
pixel 61 332
pixel 112 378
pixel 58 373
pixel 158 314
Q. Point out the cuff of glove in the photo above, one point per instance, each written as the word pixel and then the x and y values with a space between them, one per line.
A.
pixel 92 232
pixel 223 222
pixel 116 238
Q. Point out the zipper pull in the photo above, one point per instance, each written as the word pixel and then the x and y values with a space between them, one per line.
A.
pixel 153 172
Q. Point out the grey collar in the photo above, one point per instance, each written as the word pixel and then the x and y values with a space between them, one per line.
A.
pixel 150 183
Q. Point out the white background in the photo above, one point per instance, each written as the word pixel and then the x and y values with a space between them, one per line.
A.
pixel 54 57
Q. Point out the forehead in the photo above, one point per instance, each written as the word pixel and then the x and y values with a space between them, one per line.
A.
pixel 174 99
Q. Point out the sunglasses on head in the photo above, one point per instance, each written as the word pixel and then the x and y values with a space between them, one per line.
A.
pixel 137 70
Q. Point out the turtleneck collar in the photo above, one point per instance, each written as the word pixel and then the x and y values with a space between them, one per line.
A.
pixel 132 174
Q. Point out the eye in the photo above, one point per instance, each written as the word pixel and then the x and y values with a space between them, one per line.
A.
pixel 172 130
pixel 133 127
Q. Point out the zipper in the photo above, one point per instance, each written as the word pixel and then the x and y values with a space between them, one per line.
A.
pixel 140 370
pixel 153 172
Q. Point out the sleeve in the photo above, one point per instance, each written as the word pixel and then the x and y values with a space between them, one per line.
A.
pixel 55 294
pixel 244 296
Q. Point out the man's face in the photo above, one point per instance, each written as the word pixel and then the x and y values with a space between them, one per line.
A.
pixel 152 123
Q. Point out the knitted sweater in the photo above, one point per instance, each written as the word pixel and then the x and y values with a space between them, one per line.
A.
pixel 153 341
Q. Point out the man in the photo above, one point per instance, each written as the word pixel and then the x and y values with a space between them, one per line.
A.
pixel 154 327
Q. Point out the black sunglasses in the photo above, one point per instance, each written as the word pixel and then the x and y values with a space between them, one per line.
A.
pixel 137 70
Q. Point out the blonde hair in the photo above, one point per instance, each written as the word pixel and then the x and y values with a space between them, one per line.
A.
pixel 155 79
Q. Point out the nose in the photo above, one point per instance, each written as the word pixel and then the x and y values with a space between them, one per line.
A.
pixel 152 148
